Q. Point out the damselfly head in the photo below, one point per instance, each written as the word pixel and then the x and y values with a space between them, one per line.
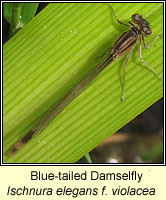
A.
pixel 147 31
pixel 143 24
pixel 137 19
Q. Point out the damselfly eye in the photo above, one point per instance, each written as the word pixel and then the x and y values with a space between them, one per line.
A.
pixel 136 18
pixel 147 31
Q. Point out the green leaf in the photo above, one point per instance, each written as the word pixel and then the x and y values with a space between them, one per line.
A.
pixel 7 11
pixel 44 60
pixel 157 150
pixel 28 11
pixel 18 14
pixel 88 158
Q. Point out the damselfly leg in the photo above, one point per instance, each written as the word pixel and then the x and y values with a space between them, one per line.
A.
pixel 145 63
pixel 129 41
pixel 124 69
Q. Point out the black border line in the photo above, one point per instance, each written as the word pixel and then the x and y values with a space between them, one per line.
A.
pixel 71 164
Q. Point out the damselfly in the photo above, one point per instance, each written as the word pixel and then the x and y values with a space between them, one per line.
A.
pixel 139 28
